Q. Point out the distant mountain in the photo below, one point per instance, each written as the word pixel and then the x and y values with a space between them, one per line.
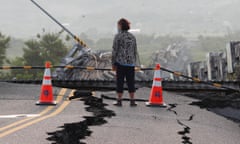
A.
pixel 189 17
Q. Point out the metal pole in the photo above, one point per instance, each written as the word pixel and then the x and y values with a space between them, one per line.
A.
pixel 63 27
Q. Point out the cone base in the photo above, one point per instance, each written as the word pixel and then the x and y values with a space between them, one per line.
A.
pixel 46 103
pixel 163 105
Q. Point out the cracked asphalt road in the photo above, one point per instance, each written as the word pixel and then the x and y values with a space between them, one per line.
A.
pixel 179 123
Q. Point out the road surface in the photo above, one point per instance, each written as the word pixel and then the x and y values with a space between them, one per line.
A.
pixel 21 121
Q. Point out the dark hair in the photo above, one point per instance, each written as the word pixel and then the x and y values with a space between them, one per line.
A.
pixel 124 23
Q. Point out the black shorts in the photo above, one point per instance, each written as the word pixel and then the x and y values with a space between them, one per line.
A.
pixel 127 72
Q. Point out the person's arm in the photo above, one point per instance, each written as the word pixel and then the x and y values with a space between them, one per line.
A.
pixel 137 60
pixel 114 53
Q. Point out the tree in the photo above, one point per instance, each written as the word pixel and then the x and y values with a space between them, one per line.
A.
pixel 4 41
pixel 52 48
pixel 32 53
pixel 48 47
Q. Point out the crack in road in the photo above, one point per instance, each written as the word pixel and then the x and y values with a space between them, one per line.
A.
pixel 191 117
pixel 123 99
pixel 155 117
pixel 186 129
pixel 173 106
pixel 73 133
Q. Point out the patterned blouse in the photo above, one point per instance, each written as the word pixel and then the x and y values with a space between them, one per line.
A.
pixel 124 49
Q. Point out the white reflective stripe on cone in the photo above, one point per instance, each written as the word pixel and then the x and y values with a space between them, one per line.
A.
pixel 157 83
pixel 47 72
pixel 157 74
pixel 47 82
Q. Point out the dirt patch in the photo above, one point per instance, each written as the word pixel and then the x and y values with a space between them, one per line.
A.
pixel 73 133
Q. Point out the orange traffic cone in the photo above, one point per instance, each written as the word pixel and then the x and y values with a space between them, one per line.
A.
pixel 156 97
pixel 46 96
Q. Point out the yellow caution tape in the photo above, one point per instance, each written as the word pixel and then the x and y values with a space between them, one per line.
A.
pixel 90 68
pixel 196 79
pixel 177 73
pixel 6 67
pixel 27 67
pixel 69 66
pixel 217 85
pixel 137 69
pixel 93 93
pixel 80 41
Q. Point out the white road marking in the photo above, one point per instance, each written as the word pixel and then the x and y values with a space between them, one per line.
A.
pixel 18 116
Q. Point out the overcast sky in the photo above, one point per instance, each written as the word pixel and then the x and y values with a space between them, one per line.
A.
pixel 20 18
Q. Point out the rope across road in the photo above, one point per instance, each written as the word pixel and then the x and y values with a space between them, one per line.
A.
pixel 89 68
pixel 197 80
pixel 67 67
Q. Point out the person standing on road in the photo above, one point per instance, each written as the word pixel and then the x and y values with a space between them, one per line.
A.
pixel 124 57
